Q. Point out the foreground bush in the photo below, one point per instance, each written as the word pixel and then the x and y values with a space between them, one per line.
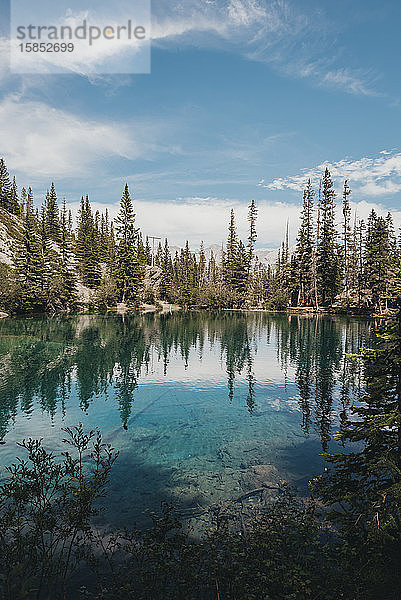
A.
pixel 285 550
pixel 46 508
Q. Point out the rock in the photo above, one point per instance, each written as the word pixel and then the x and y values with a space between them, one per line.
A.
pixel 10 231
pixel 148 308
pixel 84 294
pixel 3 315
pixel 267 472
pixel 168 308
pixel 153 277
pixel 259 475
pixel 122 308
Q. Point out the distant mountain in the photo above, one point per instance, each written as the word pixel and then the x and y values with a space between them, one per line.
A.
pixel 267 256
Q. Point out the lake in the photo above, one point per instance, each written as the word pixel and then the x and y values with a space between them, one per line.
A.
pixel 202 406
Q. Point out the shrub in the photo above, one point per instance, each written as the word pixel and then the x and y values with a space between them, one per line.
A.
pixel 46 507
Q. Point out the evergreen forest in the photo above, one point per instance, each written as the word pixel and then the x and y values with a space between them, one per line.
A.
pixel 61 264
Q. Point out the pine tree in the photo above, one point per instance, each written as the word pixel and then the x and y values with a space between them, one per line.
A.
pixel 104 238
pixel 112 247
pixel 347 240
pixel 29 200
pixel 353 263
pixel 129 272
pixel 47 253
pixel 202 267
pixel 148 252
pixel 212 270
pixel 87 246
pixel 378 259
pixel 394 254
pixel 158 257
pixel 141 250
pixel 328 267
pixel 235 262
pixel 23 202
pixel 283 274
pixel 187 278
pixel 5 186
pixel 252 216
pixel 52 216
pixel 359 237
pixel 304 253
pixel 231 255
pixel 242 272
pixel 70 225
pixel 260 288
pixel 166 265
pixel 14 206
pixel 29 266
pixel 63 291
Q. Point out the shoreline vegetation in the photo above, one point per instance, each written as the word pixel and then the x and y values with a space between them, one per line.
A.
pixel 51 264
pixel 165 308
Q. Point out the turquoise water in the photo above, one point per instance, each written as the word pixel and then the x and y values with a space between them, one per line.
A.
pixel 202 406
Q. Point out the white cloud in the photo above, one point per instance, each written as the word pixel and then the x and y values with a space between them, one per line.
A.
pixel 380 188
pixel 207 219
pixel 321 72
pixel 4 58
pixel 293 41
pixel 232 20
pixel 39 140
pixel 246 12
pixel 363 209
pixel 372 176
pixel 237 21
pixel 196 219
pixel 353 83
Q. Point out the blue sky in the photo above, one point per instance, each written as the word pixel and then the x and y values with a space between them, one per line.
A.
pixel 246 99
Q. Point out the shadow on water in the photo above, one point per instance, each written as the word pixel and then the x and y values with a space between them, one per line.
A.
pixel 137 489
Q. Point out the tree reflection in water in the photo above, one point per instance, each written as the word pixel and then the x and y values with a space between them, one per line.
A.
pixel 41 358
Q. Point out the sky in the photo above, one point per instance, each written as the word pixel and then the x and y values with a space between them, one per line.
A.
pixel 246 99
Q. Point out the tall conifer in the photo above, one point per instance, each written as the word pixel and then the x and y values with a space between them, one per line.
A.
pixel 52 215
pixel 304 253
pixel 5 186
pixel 29 266
pixel 328 266
pixel 347 240
pixel 128 271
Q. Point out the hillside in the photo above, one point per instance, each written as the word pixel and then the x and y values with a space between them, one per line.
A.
pixel 10 230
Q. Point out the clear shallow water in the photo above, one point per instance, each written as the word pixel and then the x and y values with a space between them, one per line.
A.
pixel 202 406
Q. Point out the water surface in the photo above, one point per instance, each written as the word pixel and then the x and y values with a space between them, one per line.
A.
pixel 202 406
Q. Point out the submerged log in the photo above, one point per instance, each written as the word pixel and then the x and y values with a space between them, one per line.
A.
pixel 257 491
